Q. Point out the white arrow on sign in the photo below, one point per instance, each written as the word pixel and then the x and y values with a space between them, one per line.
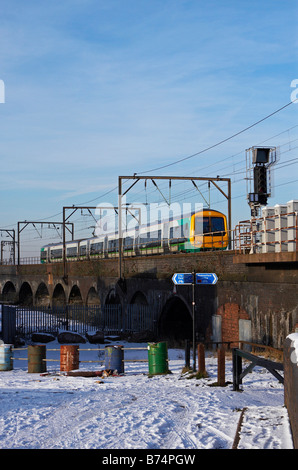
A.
pixel 206 278
pixel 183 279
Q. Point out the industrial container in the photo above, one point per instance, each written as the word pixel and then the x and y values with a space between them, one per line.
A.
pixel 292 209
pixel 268 230
pixel 158 358
pixel 281 228
pixel 114 358
pixel 6 362
pixel 69 357
pixel 36 356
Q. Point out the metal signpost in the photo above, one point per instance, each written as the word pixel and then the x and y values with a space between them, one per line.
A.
pixel 187 279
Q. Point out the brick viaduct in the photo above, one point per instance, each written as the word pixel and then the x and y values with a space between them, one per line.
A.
pixel 258 291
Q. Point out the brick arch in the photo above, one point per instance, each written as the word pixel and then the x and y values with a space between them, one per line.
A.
pixel 112 297
pixel 26 294
pixel 175 321
pixel 139 298
pixel 75 296
pixel 9 293
pixel 230 314
pixel 93 297
pixel 59 296
pixel 42 296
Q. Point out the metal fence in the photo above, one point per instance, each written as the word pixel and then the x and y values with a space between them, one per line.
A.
pixel 111 319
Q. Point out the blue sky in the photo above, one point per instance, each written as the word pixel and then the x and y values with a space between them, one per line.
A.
pixel 97 89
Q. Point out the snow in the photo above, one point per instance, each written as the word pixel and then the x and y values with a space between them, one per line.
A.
pixel 135 411
pixel 294 344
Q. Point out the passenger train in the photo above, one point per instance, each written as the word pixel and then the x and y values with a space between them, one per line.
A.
pixel 200 231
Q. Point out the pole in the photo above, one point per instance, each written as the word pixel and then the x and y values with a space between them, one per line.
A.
pixel 193 322
pixel 187 353
pixel 14 247
pixel 221 367
pixel 230 213
pixel 64 247
pixel 18 242
pixel 201 358
pixel 120 225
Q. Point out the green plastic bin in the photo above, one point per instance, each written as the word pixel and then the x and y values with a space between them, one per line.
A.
pixel 158 358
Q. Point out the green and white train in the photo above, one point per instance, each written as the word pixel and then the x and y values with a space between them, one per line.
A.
pixel 204 230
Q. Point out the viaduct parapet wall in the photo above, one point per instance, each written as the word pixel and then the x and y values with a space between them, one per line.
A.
pixel 255 295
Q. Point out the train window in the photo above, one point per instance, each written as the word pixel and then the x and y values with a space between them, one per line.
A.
pixel 217 225
pixel 71 251
pixel 56 253
pixel 113 245
pixel 83 250
pixel 177 234
pixel 96 248
pixel 144 240
pixel 128 243
pixel 150 239
pixel 43 255
pixel 209 225
pixel 202 225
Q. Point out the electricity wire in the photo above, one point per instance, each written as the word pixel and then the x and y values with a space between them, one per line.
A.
pixel 220 142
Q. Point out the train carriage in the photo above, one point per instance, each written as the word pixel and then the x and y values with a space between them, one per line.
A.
pixel 200 231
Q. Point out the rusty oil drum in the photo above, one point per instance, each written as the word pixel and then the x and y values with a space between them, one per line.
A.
pixel 36 358
pixel 69 357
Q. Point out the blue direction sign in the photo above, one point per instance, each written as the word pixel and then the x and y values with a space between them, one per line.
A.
pixel 182 278
pixel 206 278
pixel 201 278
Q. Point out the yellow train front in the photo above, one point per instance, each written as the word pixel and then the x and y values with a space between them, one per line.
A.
pixel 209 231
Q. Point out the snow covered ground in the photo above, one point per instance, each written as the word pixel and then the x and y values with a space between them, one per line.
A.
pixel 135 411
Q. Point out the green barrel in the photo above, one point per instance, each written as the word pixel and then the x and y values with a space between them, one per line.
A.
pixel 158 358
pixel 36 356
pixel 6 362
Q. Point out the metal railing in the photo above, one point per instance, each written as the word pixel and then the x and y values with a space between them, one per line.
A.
pixel 274 233
pixel 110 319
pixel 25 260
pixel 239 374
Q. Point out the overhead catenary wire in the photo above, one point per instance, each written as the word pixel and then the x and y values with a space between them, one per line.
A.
pixel 239 153
pixel 218 143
